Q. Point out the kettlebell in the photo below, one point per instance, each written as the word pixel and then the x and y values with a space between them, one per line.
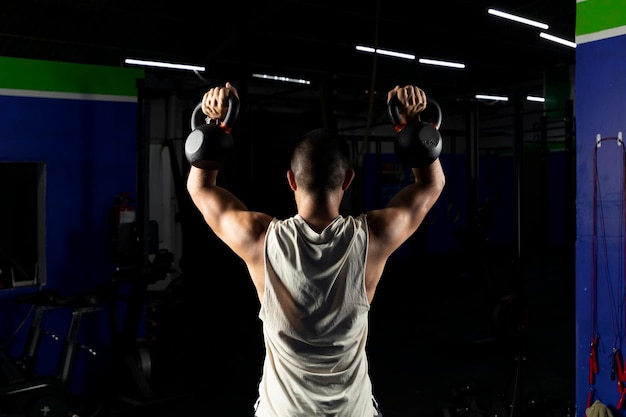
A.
pixel 417 144
pixel 210 145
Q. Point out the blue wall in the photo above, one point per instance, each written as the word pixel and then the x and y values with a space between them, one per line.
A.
pixel 88 145
pixel 600 110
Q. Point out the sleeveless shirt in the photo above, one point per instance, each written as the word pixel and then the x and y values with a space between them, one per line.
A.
pixel 315 321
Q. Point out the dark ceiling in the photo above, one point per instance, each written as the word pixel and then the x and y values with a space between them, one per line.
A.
pixel 311 39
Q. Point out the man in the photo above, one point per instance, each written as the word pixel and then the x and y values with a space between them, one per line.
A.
pixel 316 272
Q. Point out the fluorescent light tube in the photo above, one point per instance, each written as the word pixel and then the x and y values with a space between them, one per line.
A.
pixel 159 64
pixel 366 49
pixel 385 52
pixel 441 63
pixel 395 54
pixel 517 18
pixel 411 57
pixel 536 98
pixel 557 40
pixel 490 97
pixel 282 78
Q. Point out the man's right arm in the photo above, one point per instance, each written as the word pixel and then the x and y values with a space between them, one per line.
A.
pixel 406 210
pixel 394 224
pixel 241 230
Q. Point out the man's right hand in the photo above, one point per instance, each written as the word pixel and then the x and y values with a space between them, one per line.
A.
pixel 412 101
pixel 215 101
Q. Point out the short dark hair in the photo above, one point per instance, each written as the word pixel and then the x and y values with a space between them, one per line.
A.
pixel 319 160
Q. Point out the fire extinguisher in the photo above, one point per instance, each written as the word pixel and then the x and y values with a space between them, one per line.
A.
pixel 122 218
pixel 123 211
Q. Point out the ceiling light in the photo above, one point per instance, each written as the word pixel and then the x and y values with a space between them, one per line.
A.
pixel 281 78
pixel 517 18
pixel 385 52
pixel 536 98
pixel 557 40
pixel 441 63
pixel 159 64
pixel 490 97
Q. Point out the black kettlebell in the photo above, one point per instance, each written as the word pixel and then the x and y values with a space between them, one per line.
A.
pixel 210 145
pixel 417 144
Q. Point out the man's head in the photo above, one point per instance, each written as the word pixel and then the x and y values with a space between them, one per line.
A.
pixel 320 162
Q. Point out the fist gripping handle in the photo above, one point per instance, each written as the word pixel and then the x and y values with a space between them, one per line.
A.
pixel 417 144
pixel 210 145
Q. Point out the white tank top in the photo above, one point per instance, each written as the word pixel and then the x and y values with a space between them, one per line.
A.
pixel 315 321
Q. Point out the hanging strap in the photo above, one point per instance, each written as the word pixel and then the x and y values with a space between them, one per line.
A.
pixel 616 303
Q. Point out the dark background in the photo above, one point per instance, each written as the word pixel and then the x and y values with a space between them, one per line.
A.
pixel 305 39
pixel 449 309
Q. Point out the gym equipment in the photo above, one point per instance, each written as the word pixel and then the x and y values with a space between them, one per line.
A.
pixel 128 387
pixel 22 392
pixel 210 145
pixel 133 384
pixel 417 144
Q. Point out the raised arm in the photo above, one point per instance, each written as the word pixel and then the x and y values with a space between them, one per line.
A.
pixel 392 225
pixel 229 218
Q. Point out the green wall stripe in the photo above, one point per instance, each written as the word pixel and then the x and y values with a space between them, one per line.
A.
pixel 594 16
pixel 37 75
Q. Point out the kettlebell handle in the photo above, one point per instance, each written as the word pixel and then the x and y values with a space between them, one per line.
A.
pixel 396 120
pixel 231 114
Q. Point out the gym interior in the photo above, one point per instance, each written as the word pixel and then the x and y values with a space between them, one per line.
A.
pixel 117 299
